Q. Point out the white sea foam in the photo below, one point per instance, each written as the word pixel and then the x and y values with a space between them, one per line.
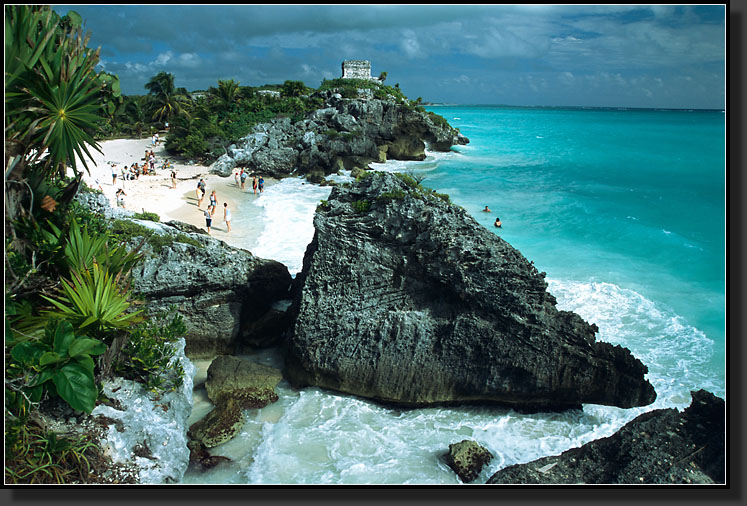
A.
pixel 288 212
pixel 315 436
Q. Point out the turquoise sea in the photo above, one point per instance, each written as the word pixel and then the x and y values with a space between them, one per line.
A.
pixel 624 210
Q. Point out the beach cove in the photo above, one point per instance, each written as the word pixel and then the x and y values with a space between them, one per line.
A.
pixel 306 437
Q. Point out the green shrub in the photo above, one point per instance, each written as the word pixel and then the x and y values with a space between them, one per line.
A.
pixel 322 206
pixel 149 353
pixel 361 206
pixel 147 216
pixel 93 301
pixel 393 195
pixel 60 362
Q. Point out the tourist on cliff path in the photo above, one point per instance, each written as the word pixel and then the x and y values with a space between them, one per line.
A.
pixel 227 216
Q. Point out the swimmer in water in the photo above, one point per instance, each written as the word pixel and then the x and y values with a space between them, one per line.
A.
pixel 487 210
pixel 497 223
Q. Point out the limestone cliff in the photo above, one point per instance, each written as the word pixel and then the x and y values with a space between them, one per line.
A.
pixel 344 134
pixel 406 299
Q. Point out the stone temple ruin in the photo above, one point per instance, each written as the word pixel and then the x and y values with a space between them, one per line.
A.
pixel 357 69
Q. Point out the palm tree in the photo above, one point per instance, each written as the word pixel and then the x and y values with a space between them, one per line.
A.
pixel 53 108
pixel 225 95
pixel 52 94
pixel 166 99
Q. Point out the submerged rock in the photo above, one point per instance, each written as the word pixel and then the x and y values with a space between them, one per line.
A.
pixel 233 385
pixel 658 447
pixel 467 459
pixel 433 308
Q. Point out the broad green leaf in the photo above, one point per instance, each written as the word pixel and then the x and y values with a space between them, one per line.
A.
pixel 63 336
pixel 42 377
pixel 27 353
pixel 49 357
pixel 75 384
pixel 87 362
pixel 87 346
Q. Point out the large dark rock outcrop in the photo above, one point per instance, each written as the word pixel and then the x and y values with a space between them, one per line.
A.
pixel 659 447
pixel 406 299
pixel 223 293
pixel 344 134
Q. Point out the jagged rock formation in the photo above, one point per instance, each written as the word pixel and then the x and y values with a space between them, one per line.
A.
pixel 344 134
pixel 467 459
pixel 658 447
pixel 233 385
pixel 222 292
pixel 432 308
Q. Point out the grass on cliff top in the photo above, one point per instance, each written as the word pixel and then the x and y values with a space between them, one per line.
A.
pixel 125 230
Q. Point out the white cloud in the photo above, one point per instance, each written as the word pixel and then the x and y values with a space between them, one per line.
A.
pixel 410 44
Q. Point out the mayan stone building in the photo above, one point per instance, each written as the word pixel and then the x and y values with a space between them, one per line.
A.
pixel 356 69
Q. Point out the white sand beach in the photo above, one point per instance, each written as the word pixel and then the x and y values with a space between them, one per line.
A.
pixel 154 193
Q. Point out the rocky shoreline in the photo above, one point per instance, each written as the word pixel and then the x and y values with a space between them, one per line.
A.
pixel 431 308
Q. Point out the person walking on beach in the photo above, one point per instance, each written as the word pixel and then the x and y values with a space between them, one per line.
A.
pixel 236 177
pixel 243 178
pixel 254 184
pixel 173 179
pixel 213 202
pixel 114 174
pixel 200 192
pixel 227 216
pixel 208 219
pixel 261 184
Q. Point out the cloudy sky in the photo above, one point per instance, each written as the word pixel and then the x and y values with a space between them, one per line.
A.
pixel 583 55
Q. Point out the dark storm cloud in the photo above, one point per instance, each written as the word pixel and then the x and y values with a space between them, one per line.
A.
pixel 529 54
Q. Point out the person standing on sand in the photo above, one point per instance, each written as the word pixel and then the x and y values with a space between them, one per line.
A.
pixel 208 219
pixel 227 216
pixel 254 184
pixel 213 202
pixel 243 178
pixel 261 184
pixel 200 192
pixel 114 174
pixel 173 179
pixel 236 177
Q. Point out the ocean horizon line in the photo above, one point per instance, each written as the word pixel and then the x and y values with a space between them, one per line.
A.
pixel 576 107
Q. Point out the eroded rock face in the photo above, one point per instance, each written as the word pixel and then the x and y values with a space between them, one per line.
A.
pixel 433 308
pixel 345 133
pixel 659 447
pixel 223 293
pixel 467 459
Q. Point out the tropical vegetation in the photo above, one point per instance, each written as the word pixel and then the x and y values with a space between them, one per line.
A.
pixel 69 309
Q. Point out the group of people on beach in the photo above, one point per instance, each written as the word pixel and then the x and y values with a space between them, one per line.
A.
pixel 134 171
pixel 240 175
pixel 212 206
pixel 497 223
